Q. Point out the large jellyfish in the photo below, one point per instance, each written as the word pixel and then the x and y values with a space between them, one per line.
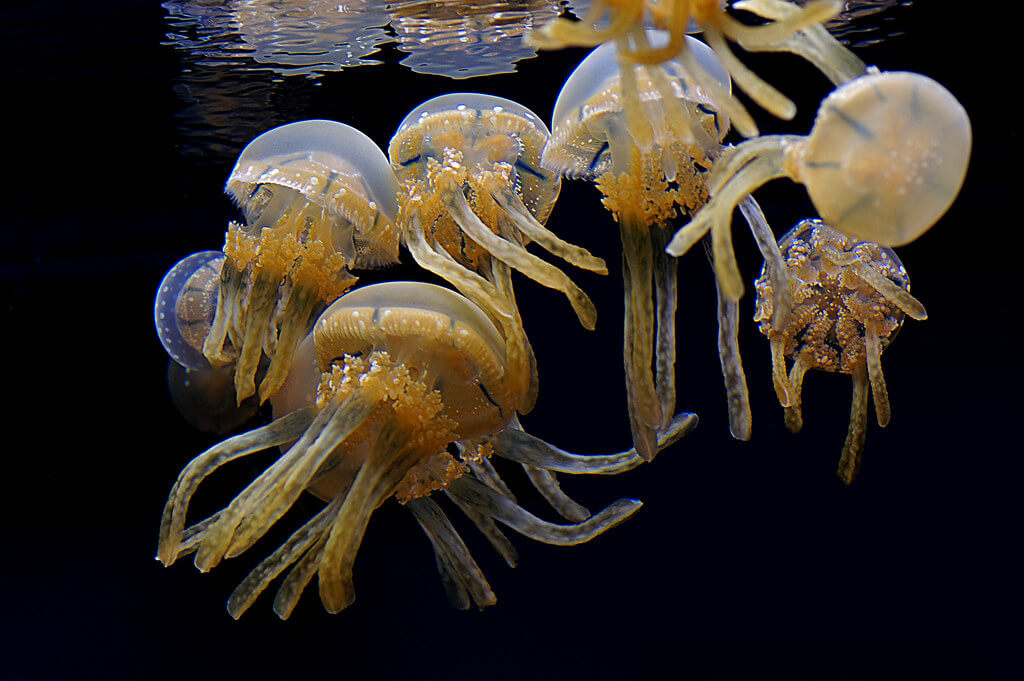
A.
pixel 849 299
pixel 319 200
pixel 473 196
pixel 401 390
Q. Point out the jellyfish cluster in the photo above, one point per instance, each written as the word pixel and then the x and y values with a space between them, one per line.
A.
pixel 412 391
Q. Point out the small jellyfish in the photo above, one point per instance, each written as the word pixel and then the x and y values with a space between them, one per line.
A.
pixel 792 28
pixel 849 299
pixel 401 390
pixel 186 302
pixel 646 181
pixel 318 199
pixel 472 196
pixel 886 157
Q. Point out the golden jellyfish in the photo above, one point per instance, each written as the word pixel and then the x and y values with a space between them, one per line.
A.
pixel 318 199
pixel 885 159
pixel 650 170
pixel 401 390
pixel 472 196
pixel 791 28
pixel 850 297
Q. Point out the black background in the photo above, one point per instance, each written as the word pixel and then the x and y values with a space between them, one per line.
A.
pixel 748 560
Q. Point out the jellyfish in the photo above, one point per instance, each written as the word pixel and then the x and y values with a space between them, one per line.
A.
pixel 401 390
pixel 850 297
pixel 885 159
pixel 472 197
pixel 318 200
pixel 792 28
pixel 646 180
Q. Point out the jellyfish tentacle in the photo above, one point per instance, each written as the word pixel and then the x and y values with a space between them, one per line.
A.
pixel 895 294
pixel 548 240
pixel 675 24
pixel 282 493
pixel 782 298
pixel 636 122
pixel 794 412
pixel 547 484
pixel 737 396
pixel 232 284
pixel 516 444
pixel 302 572
pixel 813 43
pixel 218 539
pixel 278 432
pixel 273 565
pixel 849 463
pixel 873 356
pixel 260 311
pixel 483 498
pixel 299 308
pixel 666 299
pixel 643 404
pixel 517 257
pixel 487 527
pixel 764 94
pixel 521 360
pixel 387 463
pixel 776 31
pixel 459 571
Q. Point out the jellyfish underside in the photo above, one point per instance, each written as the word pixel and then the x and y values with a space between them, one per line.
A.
pixel 791 28
pixel 471 199
pixel 884 160
pixel 849 299
pixel 401 372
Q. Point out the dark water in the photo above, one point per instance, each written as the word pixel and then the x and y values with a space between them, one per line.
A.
pixel 749 560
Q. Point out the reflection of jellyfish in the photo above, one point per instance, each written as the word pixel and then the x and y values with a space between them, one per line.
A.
pixel 649 169
pixel 463 39
pixel 472 196
pixel 401 390
pixel 793 28
pixel 312 36
pixel 886 157
pixel 849 299
pixel 290 37
pixel 318 198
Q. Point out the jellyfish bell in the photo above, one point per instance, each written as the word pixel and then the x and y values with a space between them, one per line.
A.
pixel 850 297
pixel 645 136
pixel 473 195
pixel 391 377
pixel 186 301
pixel 318 199
pixel 885 159
pixel 591 130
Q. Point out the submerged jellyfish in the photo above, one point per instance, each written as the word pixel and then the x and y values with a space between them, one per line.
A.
pixel 648 171
pixel 886 157
pixel 318 199
pixel 401 390
pixel 849 299
pixel 793 29
pixel 472 196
